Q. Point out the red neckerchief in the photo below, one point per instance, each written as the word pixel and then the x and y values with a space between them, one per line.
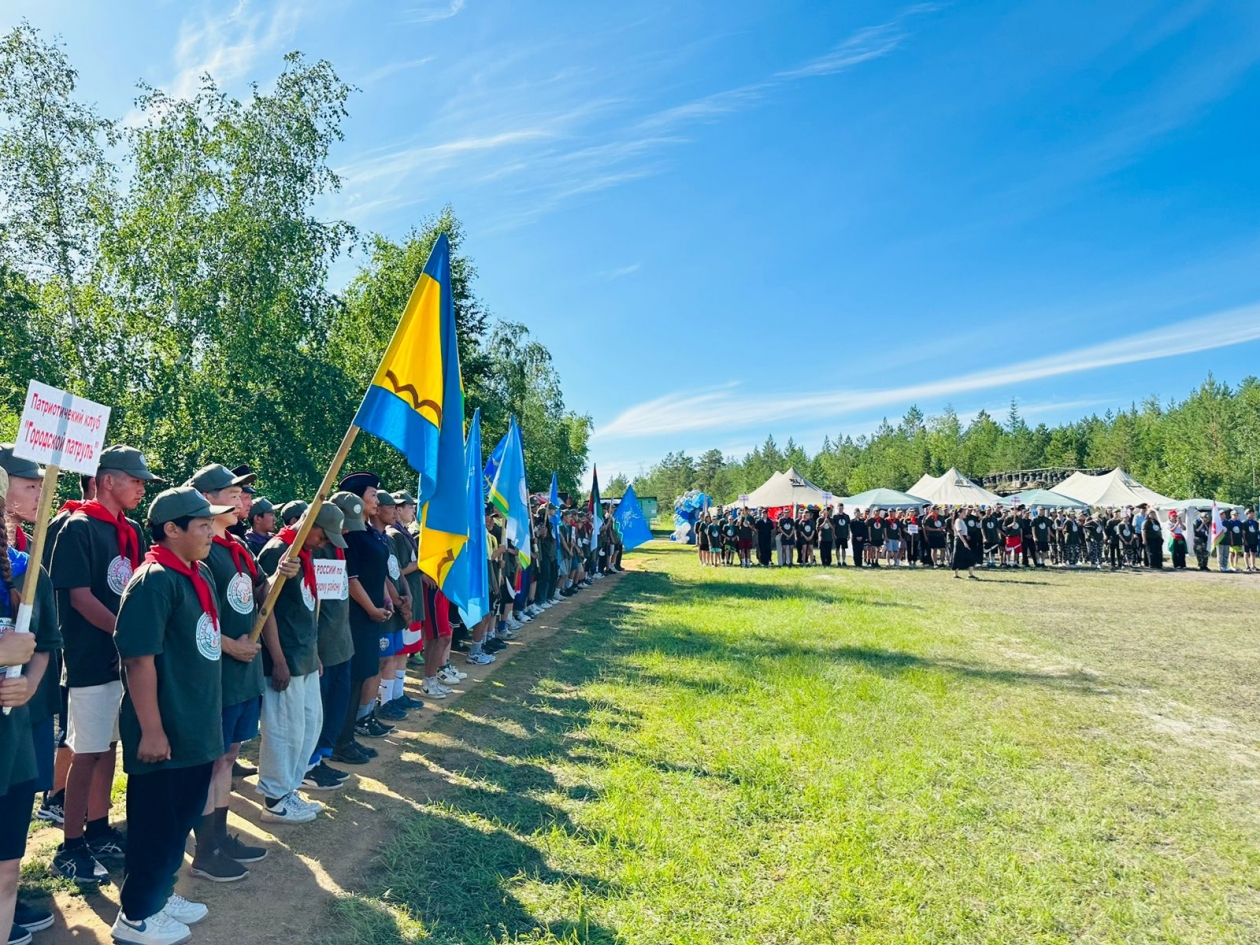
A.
pixel 286 535
pixel 243 560
pixel 128 545
pixel 168 559
pixel 21 541
pixel 71 506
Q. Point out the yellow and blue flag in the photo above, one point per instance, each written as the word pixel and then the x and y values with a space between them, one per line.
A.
pixel 510 496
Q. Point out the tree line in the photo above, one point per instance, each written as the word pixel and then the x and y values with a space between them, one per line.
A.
pixel 1205 445
pixel 174 267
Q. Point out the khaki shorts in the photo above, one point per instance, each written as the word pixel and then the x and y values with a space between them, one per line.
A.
pixel 93 723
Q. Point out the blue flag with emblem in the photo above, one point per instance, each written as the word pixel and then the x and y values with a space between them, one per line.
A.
pixel 471 566
pixel 629 518
pixel 554 500
pixel 510 495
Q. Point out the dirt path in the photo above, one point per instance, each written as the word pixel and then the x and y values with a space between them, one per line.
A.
pixel 288 895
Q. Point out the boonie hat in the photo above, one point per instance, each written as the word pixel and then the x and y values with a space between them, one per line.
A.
pixel 330 519
pixel 18 468
pixel 183 501
pixel 351 507
pixel 126 459
pixel 216 476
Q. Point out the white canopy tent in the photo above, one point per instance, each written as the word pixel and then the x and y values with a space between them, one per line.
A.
pixel 953 488
pixel 1115 489
pixel 884 499
pixel 789 488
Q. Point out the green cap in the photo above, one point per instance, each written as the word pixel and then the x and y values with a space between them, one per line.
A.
pixel 18 468
pixel 183 501
pixel 352 509
pixel 385 499
pixel 403 498
pixel 126 459
pixel 216 476
pixel 291 511
pixel 261 506
pixel 331 521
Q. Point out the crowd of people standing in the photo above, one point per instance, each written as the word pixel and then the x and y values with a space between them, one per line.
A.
pixel 143 636
pixel 963 539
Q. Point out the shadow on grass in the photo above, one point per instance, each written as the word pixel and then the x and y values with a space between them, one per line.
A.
pixel 471 865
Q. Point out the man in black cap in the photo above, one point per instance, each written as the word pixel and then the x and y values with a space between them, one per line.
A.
pixel 262 524
pixel 367 558
pixel 97 550
pixel 239 585
pixel 168 638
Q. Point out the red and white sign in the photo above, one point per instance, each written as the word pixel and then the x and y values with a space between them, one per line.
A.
pixel 330 579
pixel 61 429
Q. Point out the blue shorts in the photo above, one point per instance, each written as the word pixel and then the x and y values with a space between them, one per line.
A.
pixel 45 753
pixel 240 722
pixel 391 643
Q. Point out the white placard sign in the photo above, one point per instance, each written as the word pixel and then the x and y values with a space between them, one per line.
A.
pixel 827 497
pixel 743 500
pixel 61 429
pixel 330 579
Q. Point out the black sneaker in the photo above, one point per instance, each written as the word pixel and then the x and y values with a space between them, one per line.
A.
pixel 78 865
pixel 372 727
pixel 32 918
pixel 19 935
pixel 364 749
pixel 52 809
pixel 409 703
pixel 351 755
pixel 459 646
pixel 241 852
pixel 320 778
pixel 494 646
pixel 339 775
pixel 110 845
pixel 217 866
pixel 392 711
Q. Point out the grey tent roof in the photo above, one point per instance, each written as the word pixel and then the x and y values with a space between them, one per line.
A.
pixel 1044 498
pixel 884 499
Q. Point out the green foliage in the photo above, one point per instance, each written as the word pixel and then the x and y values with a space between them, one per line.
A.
pixel 194 300
pixel 1207 445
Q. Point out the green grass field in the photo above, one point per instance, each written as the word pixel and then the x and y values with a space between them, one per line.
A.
pixel 733 756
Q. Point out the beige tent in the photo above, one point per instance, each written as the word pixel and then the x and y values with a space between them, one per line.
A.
pixel 789 488
pixel 953 488
pixel 1112 490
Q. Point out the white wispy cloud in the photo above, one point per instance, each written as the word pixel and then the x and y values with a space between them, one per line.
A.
pixel 623 271
pixel 230 46
pixel 872 42
pixel 393 68
pixel 726 408
pixel 433 12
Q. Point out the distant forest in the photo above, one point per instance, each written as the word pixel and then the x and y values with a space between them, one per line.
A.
pixel 1206 445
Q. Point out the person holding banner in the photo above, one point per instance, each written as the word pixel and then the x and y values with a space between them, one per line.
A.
pixel 171 720
pixel 238 582
pixel 18 761
pixel 96 552
pixel 292 709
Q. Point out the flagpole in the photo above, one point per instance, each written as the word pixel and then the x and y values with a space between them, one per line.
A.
pixel 304 527
pixel 35 562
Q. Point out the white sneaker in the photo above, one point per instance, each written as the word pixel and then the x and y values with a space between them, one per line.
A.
pixel 557 597
pixel 181 910
pixel 157 929
pixel 514 624
pixel 447 678
pixel 303 801
pixel 446 690
pixel 455 672
pixel 434 689
pixel 288 811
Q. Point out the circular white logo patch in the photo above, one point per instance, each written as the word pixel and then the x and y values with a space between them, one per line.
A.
pixel 395 572
pixel 240 593
pixel 118 574
pixel 308 596
pixel 208 644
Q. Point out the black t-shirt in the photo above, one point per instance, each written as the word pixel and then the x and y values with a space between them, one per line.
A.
pixel 296 622
pixel 86 555
pixel 1094 530
pixel 973 524
pixel 745 529
pixel 875 528
pixel 842 521
pixel 892 529
pixel 161 617
pixel 1251 530
pixel 787 526
pixel 989 527
pixel 367 557
pixel 730 530
pixel 1233 529
pixel 807 531
pixel 826 531
pixel 1073 532
pixel 237 610
pixel 1152 532
pixel 17 751
pixel 858 527
pixel 1013 527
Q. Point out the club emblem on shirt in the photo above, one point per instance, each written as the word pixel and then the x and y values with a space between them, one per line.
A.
pixel 118 574
pixel 308 596
pixel 208 644
pixel 240 594
pixel 395 572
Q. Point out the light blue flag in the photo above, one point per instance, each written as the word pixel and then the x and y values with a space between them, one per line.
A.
pixel 496 457
pixel 510 495
pixel 629 517
pixel 471 566
pixel 554 499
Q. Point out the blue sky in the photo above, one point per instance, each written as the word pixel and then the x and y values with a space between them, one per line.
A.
pixel 740 218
